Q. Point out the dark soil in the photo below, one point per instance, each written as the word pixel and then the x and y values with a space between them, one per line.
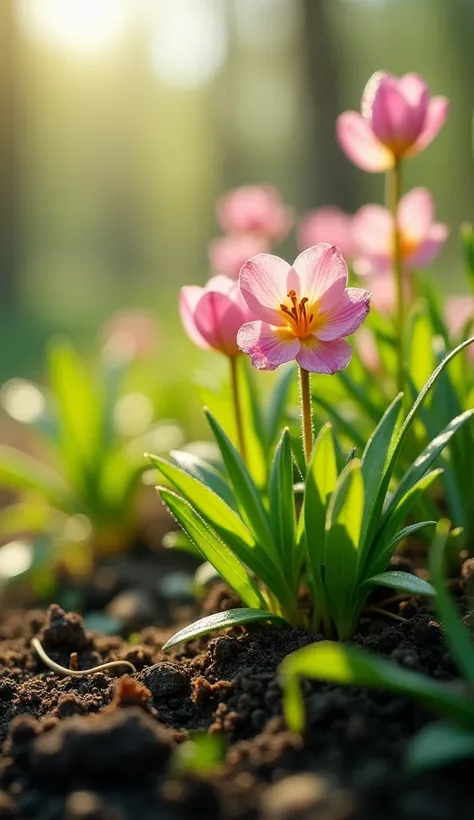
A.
pixel 104 747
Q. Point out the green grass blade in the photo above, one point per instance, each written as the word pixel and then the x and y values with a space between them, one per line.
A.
pixel 402 582
pixel 321 481
pixel 349 666
pixel 439 744
pixel 282 507
pixel 247 495
pixel 213 550
pixel 459 639
pixel 205 473
pixel 220 620
pixel 19 472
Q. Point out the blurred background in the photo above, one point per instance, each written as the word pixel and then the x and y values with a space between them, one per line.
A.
pixel 121 122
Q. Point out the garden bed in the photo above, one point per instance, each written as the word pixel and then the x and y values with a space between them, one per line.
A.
pixel 104 748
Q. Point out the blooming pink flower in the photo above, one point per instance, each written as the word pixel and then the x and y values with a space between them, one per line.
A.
pixel 255 209
pixel 213 314
pixel 421 237
pixel 303 311
pixel 459 311
pixel 398 119
pixel 327 224
pixel 227 254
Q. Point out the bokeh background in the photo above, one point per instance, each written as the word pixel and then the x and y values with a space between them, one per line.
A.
pixel 121 121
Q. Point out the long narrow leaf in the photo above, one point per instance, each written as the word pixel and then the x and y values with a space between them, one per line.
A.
pixel 460 641
pixel 282 507
pixel 320 484
pixel 250 504
pixel 213 550
pixel 220 620
pixel 19 471
pixel 348 666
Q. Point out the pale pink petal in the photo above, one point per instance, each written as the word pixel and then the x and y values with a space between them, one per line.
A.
pixel 220 284
pixel 227 254
pixel 323 357
pixel 428 248
pixel 369 93
pixel 320 270
pixel 372 228
pixel 399 112
pixel 189 297
pixel 218 319
pixel 416 213
pixel 438 109
pixel 345 317
pixel 268 346
pixel 459 310
pixel 254 209
pixel 360 144
pixel 328 224
pixel 264 284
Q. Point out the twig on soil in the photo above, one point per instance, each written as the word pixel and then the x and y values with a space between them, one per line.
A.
pixel 385 612
pixel 76 673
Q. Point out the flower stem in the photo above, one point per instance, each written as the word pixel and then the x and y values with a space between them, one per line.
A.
pixel 234 376
pixel 394 184
pixel 306 414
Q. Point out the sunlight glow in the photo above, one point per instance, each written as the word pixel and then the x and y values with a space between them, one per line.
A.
pixel 189 42
pixel 82 27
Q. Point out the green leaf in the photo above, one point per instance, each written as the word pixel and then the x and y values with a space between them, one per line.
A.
pixel 420 349
pixel 31 515
pixel 402 582
pixel 321 481
pixel 75 402
pixel 213 550
pixel 459 639
pixel 343 528
pixel 382 547
pixel 19 472
pixel 359 394
pixel 467 240
pixel 427 457
pixel 439 744
pixel 348 666
pixel 282 508
pixel 205 473
pixel 407 424
pixel 247 495
pixel 374 461
pixel 387 548
pixel 225 522
pixel 220 620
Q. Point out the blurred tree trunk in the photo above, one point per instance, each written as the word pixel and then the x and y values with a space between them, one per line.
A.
pixel 329 178
pixel 9 194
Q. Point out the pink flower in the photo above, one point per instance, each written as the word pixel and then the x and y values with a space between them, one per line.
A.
pixel 328 224
pixel 398 119
pixel 131 333
pixel 303 311
pixel 459 311
pixel 213 314
pixel 227 254
pixel 421 237
pixel 255 209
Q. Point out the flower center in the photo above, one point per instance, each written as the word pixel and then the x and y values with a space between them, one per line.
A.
pixel 296 315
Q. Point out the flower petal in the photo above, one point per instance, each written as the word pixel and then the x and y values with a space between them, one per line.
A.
pixel 319 271
pixel 360 144
pixel 189 297
pixel 327 224
pixel 263 281
pixel 399 111
pixel 438 109
pixel 373 230
pixel 218 318
pixel 416 213
pixel 268 346
pixel 428 249
pixel 324 357
pixel 227 254
pixel 345 317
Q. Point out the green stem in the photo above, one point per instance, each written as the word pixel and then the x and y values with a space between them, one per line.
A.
pixel 306 414
pixel 394 185
pixel 234 377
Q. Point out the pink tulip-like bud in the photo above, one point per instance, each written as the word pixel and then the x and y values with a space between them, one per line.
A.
pixel 254 209
pixel 227 254
pixel 421 238
pixel 328 224
pixel 212 315
pixel 303 311
pixel 398 119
